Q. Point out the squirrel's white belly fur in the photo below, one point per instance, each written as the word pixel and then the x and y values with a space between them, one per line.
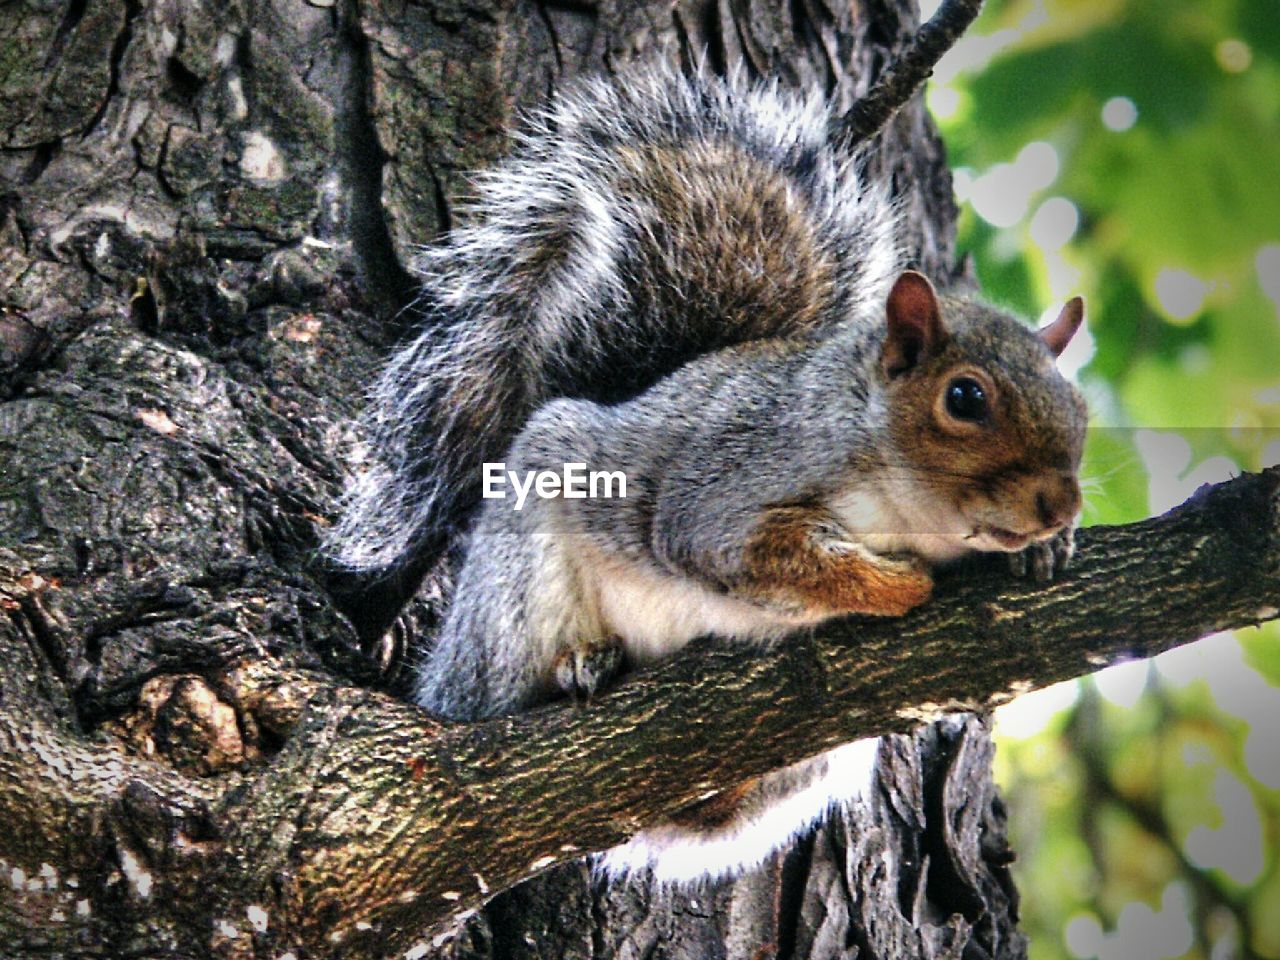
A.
pixel 655 614
pixel 870 512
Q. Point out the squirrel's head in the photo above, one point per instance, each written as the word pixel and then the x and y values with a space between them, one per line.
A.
pixel 981 416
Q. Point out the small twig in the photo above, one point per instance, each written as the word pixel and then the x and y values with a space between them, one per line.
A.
pixel 896 85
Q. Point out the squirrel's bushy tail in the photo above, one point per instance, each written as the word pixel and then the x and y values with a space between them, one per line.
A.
pixel 604 252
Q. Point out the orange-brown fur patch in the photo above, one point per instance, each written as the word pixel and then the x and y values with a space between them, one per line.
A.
pixel 787 561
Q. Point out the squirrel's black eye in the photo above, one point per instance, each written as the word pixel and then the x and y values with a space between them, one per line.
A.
pixel 966 400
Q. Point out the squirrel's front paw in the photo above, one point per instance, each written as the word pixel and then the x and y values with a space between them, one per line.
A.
pixel 1045 559
pixel 580 671
pixel 901 585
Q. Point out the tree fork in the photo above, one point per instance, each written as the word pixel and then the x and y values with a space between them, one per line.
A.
pixel 374 814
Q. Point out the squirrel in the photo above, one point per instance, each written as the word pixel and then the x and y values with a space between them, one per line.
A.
pixel 689 282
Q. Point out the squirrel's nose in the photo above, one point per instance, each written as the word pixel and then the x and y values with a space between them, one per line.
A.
pixel 1058 500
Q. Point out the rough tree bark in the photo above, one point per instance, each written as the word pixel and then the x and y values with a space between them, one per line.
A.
pixel 204 213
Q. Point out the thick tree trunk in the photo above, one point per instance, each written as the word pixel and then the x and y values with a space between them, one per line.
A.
pixel 205 215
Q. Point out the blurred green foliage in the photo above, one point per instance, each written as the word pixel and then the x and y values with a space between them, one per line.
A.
pixel 1129 150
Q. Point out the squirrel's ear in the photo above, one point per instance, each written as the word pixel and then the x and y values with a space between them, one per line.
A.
pixel 915 323
pixel 1058 334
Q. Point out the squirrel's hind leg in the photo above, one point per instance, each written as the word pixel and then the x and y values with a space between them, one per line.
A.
pixel 584 669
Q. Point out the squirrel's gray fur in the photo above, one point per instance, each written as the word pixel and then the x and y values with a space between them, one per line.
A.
pixel 566 279
pixel 685 281
pixel 705 452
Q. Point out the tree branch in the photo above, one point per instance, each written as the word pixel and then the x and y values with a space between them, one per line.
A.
pixel 372 813
pixel 908 72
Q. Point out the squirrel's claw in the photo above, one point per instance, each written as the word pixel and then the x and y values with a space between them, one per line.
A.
pixel 1018 562
pixel 1064 548
pixel 581 671
pixel 1045 559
